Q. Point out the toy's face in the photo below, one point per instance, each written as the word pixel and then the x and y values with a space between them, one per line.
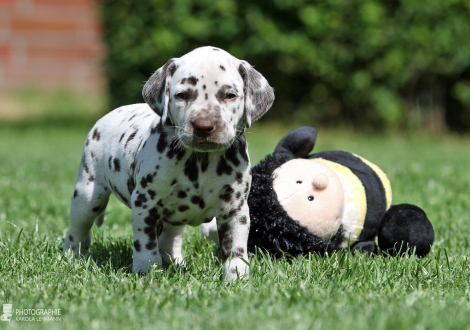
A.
pixel 311 194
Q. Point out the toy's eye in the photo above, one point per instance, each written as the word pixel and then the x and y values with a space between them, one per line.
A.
pixel 310 198
pixel 299 182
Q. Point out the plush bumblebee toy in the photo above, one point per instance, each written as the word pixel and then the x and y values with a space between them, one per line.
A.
pixel 327 201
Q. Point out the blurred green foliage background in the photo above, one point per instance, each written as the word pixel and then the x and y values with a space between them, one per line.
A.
pixel 364 63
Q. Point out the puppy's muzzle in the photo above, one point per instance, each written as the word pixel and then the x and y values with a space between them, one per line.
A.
pixel 206 134
pixel 203 128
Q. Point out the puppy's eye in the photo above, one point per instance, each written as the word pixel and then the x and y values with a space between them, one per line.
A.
pixel 183 96
pixel 299 182
pixel 230 96
pixel 310 198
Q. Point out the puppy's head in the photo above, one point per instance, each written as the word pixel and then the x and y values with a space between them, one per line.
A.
pixel 209 97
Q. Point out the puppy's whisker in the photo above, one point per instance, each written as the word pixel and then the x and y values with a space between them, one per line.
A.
pixel 176 144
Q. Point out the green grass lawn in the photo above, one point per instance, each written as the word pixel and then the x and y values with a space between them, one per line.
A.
pixel 38 165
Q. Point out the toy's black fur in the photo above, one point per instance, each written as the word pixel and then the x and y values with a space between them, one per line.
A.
pixel 272 228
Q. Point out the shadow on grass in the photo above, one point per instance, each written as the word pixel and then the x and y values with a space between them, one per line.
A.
pixel 116 255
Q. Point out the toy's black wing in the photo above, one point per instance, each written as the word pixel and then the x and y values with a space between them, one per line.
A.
pixel 297 143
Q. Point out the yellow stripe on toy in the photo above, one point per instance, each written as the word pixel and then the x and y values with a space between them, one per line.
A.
pixel 383 178
pixel 355 206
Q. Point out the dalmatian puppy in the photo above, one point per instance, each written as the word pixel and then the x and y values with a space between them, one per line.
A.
pixel 179 159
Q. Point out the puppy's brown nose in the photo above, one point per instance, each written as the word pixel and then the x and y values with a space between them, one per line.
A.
pixel 203 127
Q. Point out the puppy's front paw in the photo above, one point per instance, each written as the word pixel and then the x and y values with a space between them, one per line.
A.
pixel 76 244
pixel 236 268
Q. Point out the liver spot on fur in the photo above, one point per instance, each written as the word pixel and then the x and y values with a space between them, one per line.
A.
pixel 96 135
pixel 137 246
pixel 183 208
pixel 192 80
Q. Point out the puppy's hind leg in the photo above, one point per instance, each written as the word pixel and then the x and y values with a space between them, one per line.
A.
pixel 170 243
pixel 209 230
pixel 89 203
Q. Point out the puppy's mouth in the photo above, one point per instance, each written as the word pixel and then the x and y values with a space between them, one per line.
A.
pixel 205 145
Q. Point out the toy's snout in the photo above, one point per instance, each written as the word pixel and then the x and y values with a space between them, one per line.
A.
pixel 320 181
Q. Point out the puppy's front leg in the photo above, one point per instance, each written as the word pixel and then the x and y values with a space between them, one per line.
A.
pixel 233 236
pixel 144 227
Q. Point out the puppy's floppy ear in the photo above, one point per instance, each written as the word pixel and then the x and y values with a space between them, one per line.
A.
pixel 156 91
pixel 259 96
